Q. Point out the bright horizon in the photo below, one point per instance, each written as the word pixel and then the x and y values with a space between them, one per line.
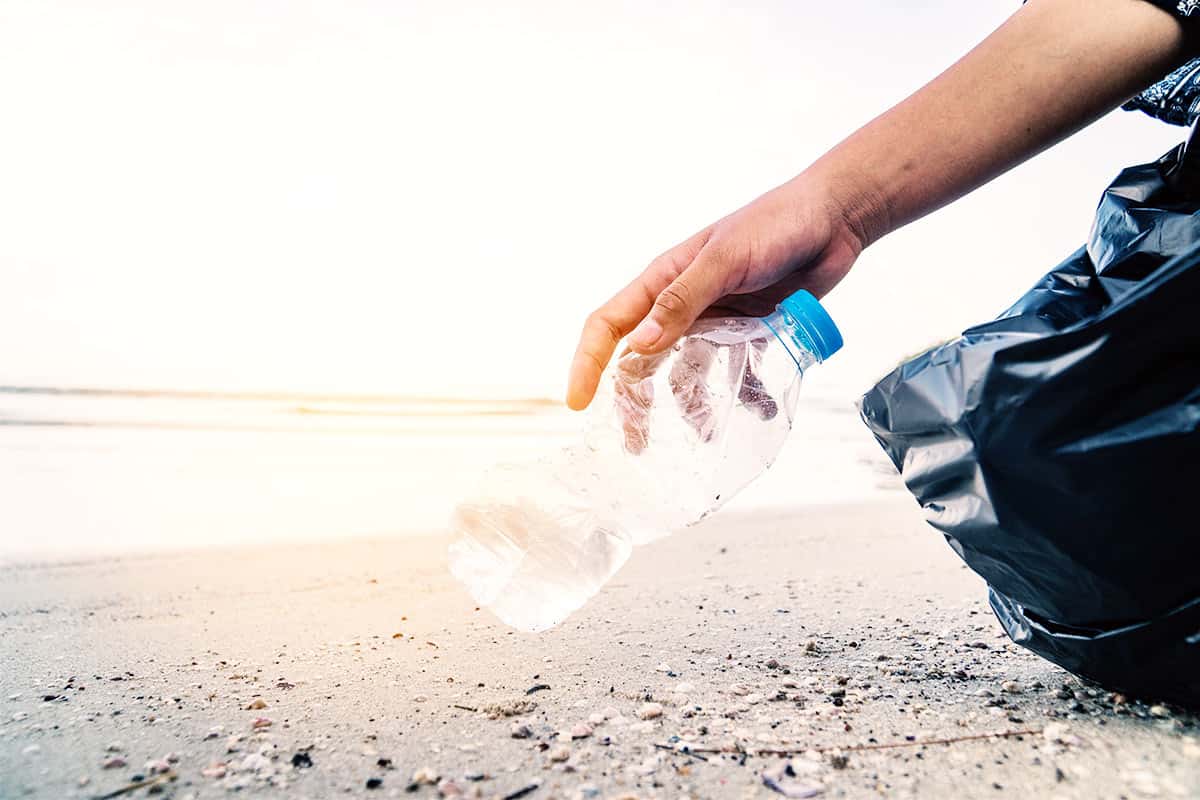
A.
pixel 427 198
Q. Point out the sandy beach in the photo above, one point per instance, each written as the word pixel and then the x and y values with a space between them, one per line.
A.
pixel 849 636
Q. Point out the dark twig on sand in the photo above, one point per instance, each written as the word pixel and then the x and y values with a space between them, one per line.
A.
pixel 524 790
pixel 537 687
pixel 856 748
pixel 134 786
pixel 687 751
pixel 464 708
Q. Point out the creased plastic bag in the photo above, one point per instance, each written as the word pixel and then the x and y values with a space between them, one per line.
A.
pixel 1057 447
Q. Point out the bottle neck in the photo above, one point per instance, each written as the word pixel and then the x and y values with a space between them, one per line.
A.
pixel 793 338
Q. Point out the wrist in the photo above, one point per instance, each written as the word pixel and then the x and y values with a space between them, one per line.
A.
pixel 858 207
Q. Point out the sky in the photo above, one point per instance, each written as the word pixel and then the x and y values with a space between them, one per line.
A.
pixel 428 197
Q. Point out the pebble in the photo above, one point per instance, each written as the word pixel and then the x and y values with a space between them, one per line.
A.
pixel 1161 712
pixel 520 730
pixel 560 753
pixel 157 767
pixel 216 770
pixel 1011 687
pixel 596 719
pixel 650 711
pixel 374 783
pixel 663 667
pixel 255 762
pixel 114 747
pixel 448 788
pixel 260 723
pixel 304 761
pixel 257 704
pixel 14 696
pixel 581 731
pixel 426 775
pixel 113 762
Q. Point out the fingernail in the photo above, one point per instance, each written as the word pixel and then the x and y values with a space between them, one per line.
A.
pixel 646 333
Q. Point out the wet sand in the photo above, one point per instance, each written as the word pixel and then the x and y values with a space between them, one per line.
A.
pixel 850 636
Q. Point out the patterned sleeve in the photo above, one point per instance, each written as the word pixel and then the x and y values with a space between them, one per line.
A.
pixel 1176 98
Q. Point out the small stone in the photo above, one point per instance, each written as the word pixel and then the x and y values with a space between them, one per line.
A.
pixel 234 743
pixel 114 747
pixel 520 730
pixel 84 780
pixel 215 770
pixel 596 719
pixel 374 783
pixel 420 698
pixel 663 667
pixel 14 696
pixel 448 788
pixel 754 698
pixel 114 762
pixel 1161 712
pixel 425 775
pixel 255 762
pixel 560 753
pixel 650 711
pixel 302 761
pixel 261 723
pixel 1011 687
pixel 157 767
pixel 257 704
pixel 581 731
pixel 684 688
pixel 214 733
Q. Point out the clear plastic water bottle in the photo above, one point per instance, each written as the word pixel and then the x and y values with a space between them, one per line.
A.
pixel 669 439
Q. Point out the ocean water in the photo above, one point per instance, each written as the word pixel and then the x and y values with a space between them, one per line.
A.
pixel 86 472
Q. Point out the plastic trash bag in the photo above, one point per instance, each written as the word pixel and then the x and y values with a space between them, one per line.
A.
pixel 1057 447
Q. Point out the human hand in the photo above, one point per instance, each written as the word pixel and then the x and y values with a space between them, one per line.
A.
pixel 794 237
pixel 633 384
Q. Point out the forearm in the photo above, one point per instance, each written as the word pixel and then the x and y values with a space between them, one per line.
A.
pixel 1051 69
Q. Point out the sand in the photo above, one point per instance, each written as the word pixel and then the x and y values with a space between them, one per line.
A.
pixel 351 668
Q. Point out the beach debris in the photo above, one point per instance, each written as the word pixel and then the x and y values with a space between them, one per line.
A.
pixel 303 760
pixel 257 704
pixel 663 667
pixel 537 687
pixel 511 708
pixel 464 708
pixel 650 711
pixel 449 788
pixel 785 780
pixel 137 782
pixel 420 698
pixel 520 730
pixel 157 767
pixel 255 762
pixel 114 762
pixel 522 792
pixel 374 783
pixel 581 731
pixel 425 775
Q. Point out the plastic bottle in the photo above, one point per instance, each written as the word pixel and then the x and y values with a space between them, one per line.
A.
pixel 669 439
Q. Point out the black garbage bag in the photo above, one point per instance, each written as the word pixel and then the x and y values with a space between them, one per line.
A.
pixel 1057 447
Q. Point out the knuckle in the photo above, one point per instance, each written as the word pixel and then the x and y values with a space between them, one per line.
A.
pixel 675 299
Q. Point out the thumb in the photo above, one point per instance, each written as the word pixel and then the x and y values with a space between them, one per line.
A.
pixel 700 285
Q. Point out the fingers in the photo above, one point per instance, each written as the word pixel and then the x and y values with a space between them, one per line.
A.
pixel 682 301
pixel 689 384
pixel 608 324
pixel 633 387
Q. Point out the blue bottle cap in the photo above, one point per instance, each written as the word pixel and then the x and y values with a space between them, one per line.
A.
pixel 815 321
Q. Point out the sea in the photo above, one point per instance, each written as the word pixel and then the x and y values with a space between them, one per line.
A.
pixel 87 472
